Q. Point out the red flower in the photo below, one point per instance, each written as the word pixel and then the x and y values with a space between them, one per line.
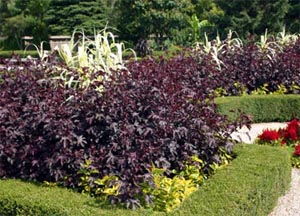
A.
pixel 283 142
pixel 292 131
pixel 281 132
pixel 269 135
pixel 297 150
pixel 294 123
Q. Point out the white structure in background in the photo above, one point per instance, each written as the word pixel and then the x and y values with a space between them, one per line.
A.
pixel 57 41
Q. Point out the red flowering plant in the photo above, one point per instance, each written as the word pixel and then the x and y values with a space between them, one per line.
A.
pixel 289 136
pixel 292 132
pixel 296 156
pixel 269 137
pixel 297 150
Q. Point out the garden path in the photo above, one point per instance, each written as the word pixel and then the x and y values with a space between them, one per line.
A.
pixel 289 204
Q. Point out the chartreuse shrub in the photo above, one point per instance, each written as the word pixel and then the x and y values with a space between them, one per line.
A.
pixel 166 193
pixel 250 185
pixel 159 113
pixel 162 193
pixel 100 188
pixel 262 108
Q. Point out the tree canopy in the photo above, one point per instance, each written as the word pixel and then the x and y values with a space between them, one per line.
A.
pixel 252 17
pixel 64 16
pixel 166 20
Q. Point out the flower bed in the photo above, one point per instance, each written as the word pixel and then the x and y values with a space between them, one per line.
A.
pixel 159 115
pixel 287 137
pixel 144 134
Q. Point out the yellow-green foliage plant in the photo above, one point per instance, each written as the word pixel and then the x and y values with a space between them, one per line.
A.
pixel 295 162
pixel 100 188
pixel 262 90
pixel 193 171
pixel 167 193
pixel 89 56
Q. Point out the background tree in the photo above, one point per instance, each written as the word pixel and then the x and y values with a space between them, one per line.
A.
pixel 25 18
pixel 161 18
pixel 167 21
pixel 208 13
pixel 251 17
pixel 292 18
pixel 4 13
pixel 65 15
pixel 14 28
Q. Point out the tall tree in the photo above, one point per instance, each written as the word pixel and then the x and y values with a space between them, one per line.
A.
pixel 208 10
pixel 65 15
pixel 4 13
pixel 252 17
pixel 142 18
pixel 292 19
pixel 25 18
pixel 15 27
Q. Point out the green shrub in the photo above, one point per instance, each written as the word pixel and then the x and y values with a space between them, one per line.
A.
pixel 22 53
pixel 250 185
pixel 263 108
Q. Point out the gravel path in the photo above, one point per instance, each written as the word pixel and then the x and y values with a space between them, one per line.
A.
pixel 288 204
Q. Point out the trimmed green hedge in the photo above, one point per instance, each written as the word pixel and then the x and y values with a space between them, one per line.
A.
pixel 250 185
pixel 263 108
pixel 8 53
pixel 29 199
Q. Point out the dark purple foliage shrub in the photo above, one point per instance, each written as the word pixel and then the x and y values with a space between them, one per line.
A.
pixel 252 67
pixel 287 69
pixel 159 113
pixel 37 126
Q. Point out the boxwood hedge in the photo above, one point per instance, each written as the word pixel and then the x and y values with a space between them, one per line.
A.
pixel 262 108
pixel 250 185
